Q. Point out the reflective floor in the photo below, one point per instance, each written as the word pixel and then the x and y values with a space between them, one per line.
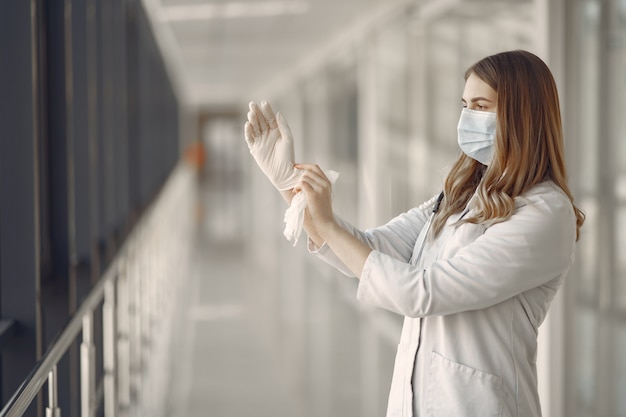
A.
pixel 226 362
pixel 225 365
pixel 292 342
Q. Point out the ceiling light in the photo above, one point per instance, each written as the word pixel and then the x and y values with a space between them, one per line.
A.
pixel 233 10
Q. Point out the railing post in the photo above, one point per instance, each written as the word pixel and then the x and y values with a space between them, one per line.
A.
pixel 136 330
pixel 123 344
pixel 87 368
pixel 148 342
pixel 110 347
pixel 53 410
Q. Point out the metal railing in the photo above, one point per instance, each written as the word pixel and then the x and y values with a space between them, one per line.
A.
pixel 138 293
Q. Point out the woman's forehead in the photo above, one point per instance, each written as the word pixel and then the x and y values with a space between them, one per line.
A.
pixel 477 88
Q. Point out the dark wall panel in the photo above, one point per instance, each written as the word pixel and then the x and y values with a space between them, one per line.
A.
pixel 19 232
pixel 88 135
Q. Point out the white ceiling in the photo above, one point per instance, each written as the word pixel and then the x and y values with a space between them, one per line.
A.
pixel 221 51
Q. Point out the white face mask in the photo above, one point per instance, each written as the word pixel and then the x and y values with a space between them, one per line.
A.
pixel 477 134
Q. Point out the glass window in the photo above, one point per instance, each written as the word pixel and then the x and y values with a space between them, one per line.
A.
pixel 620 254
pixel 617 74
pixel 587 285
pixel 619 385
pixel 617 122
pixel 585 352
pixel 589 86
pixel 391 103
pixel 344 133
pixel 596 99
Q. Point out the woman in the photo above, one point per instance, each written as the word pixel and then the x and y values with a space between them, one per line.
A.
pixel 474 269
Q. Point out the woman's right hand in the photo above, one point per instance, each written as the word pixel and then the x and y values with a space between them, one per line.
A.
pixel 318 191
pixel 270 141
pixel 320 223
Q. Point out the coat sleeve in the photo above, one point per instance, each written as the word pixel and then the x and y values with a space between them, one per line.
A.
pixel 533 247
pixel 395 239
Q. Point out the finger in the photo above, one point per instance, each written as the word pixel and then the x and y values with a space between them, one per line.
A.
pixel 314 191
pixel 259 116
pixel 308 167
pixel 256 118
pixel 269 114
pixel 248 134
pixel 254 123
pixel 307 187
pixel 311 167
pixel 250 116
pixel 285 130
pixel 315 180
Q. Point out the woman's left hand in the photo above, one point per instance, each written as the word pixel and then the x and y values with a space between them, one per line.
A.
pixel 318 191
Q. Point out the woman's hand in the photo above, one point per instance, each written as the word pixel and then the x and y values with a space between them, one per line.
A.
pixel 318 191
pixel 320 223
pixel 270 141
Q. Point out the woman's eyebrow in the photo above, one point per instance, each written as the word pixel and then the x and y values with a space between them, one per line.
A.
pixel 475 99
pixel 481 99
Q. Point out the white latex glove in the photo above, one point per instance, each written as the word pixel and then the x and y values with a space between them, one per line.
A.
pixel 270 141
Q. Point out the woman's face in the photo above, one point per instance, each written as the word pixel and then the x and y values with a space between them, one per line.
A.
pixel 478 95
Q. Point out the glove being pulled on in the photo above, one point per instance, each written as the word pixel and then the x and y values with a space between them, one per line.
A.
pixel 294 216
pixel 270 141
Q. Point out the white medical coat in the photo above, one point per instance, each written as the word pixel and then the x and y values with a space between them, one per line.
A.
pixel 473 301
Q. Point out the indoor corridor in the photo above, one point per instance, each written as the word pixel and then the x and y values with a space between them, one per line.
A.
pixel 143 266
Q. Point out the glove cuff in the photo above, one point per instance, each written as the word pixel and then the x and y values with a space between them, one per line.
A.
pixel 288 183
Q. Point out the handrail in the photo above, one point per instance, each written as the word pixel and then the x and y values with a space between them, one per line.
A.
pixel 19 403
pixel 134 255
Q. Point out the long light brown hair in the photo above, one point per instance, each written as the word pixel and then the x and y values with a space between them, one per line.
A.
pixel 528 144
